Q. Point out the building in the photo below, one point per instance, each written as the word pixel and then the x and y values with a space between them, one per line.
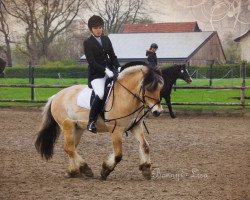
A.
pixel 197 48
pixel 244 41
pixel 168 27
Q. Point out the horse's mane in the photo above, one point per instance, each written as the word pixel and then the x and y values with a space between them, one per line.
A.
pixel 133 63
pixel 152 76
pixel 174 68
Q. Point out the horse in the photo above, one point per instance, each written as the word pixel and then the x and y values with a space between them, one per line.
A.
pixel 170 75
pixel 2 67
pixel 137 86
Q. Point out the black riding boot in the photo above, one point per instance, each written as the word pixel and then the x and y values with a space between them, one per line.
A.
pixel 94 112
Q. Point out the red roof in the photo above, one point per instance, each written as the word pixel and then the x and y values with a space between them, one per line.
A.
pixel 162 27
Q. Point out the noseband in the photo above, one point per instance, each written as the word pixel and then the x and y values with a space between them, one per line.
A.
pixel 140 109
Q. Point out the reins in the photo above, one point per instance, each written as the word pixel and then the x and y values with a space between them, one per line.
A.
pixel 140 109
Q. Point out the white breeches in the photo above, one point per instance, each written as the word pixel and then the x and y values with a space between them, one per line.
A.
pixel 98 86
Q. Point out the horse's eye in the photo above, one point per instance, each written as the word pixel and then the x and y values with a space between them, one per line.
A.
pixel 182 71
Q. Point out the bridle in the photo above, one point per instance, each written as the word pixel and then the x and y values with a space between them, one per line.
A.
pixel 139 109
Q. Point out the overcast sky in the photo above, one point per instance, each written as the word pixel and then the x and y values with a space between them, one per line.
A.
pixel 223 16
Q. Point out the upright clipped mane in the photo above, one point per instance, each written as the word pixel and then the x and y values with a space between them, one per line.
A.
pixel 152 78
pixel 133 63
pixel 132 67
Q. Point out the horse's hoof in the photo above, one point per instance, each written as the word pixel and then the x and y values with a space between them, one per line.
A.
pixel 73 174
pixel 103 178
pixel 146 170
pixel 173 116
pixel 86 170
pixel 147 174
pixel 105 171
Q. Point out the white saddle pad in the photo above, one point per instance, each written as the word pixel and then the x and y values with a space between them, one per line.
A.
pixel 83 99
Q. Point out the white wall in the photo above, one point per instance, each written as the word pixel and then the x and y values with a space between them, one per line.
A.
pixel 245 47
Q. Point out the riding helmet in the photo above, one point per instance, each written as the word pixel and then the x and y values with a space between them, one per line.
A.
pixel 94 21
pixel 154 45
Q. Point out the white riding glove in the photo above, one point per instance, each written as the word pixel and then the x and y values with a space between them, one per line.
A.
pixel 109 73
pixel 119 69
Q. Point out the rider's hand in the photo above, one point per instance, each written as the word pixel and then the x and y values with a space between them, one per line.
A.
pixel 119 69
pixel 109 73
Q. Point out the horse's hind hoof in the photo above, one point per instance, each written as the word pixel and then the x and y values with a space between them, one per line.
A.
pixel 86 170
pixel 73 174
pixel 103 178
pixel 173 116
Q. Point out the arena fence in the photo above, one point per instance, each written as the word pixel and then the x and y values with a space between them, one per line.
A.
pixel 241 103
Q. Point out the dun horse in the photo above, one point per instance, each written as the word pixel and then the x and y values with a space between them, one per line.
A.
pixel 170 75
pixel 136 86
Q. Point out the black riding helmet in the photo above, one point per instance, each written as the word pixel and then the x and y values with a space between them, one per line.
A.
pixel 154 45
pixel 94 21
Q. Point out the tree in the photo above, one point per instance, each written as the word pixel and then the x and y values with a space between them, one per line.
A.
pixel 231 49
pixel 115 13
pixel 5 33
pixel 44 21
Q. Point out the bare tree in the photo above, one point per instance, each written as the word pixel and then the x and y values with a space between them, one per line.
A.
pixel 5 32
pixel 118 12
pixel 44 21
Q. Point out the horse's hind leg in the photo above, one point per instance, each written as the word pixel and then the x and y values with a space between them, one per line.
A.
pixel 71 140
pixel 114 158
pixel 84 168
pixel 145 163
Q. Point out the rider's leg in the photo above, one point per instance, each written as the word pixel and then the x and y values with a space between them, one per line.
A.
pixel 98 86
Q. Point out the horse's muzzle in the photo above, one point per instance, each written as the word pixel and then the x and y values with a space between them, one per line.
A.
pixel 189 80
pixel 156 113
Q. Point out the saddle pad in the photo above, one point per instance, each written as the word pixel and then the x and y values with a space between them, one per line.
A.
pixel 83 99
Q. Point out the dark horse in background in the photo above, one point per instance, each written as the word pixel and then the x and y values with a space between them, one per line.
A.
pixel 170 75
pixel 2 66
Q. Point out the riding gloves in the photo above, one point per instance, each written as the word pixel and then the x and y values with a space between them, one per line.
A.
pixel 109 73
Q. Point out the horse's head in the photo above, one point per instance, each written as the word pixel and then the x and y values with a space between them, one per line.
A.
pixel 183 73
pixel 152 85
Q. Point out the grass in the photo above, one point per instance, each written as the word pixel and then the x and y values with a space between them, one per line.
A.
pixel 180 95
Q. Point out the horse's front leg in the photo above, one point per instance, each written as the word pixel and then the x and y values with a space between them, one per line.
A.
pixel 114 158
pixel 145 163
pixel 168 102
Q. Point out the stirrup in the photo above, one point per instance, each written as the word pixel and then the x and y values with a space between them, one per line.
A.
pixel 91 127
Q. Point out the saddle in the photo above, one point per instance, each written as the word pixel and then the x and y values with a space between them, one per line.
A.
pixel 86 96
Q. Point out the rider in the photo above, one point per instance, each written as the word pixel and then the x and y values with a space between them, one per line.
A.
pixel 151 54
pixel 102 62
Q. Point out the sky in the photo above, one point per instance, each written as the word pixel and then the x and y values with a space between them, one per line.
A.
pixel 225 16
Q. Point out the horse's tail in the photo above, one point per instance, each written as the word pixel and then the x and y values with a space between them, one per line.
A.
pixel 48 133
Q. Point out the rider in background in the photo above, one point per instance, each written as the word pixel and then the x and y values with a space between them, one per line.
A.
pixel 151 54
pixel 102 62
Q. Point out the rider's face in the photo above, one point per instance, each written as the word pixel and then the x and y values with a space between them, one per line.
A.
pixel 97 31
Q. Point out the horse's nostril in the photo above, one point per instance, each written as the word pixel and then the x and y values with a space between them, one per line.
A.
pixel 156 113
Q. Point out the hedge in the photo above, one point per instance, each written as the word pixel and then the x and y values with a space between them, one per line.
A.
pixel 47 72
pixel 80 71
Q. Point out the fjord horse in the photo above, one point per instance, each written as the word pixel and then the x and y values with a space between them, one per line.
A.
pixel 136 86
pixel 170 75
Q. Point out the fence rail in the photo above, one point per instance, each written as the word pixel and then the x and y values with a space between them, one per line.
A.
pixel 242 88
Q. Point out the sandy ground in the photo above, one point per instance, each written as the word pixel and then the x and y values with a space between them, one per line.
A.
pixel 193 157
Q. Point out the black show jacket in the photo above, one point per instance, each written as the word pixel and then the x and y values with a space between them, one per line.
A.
pixel 99 57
